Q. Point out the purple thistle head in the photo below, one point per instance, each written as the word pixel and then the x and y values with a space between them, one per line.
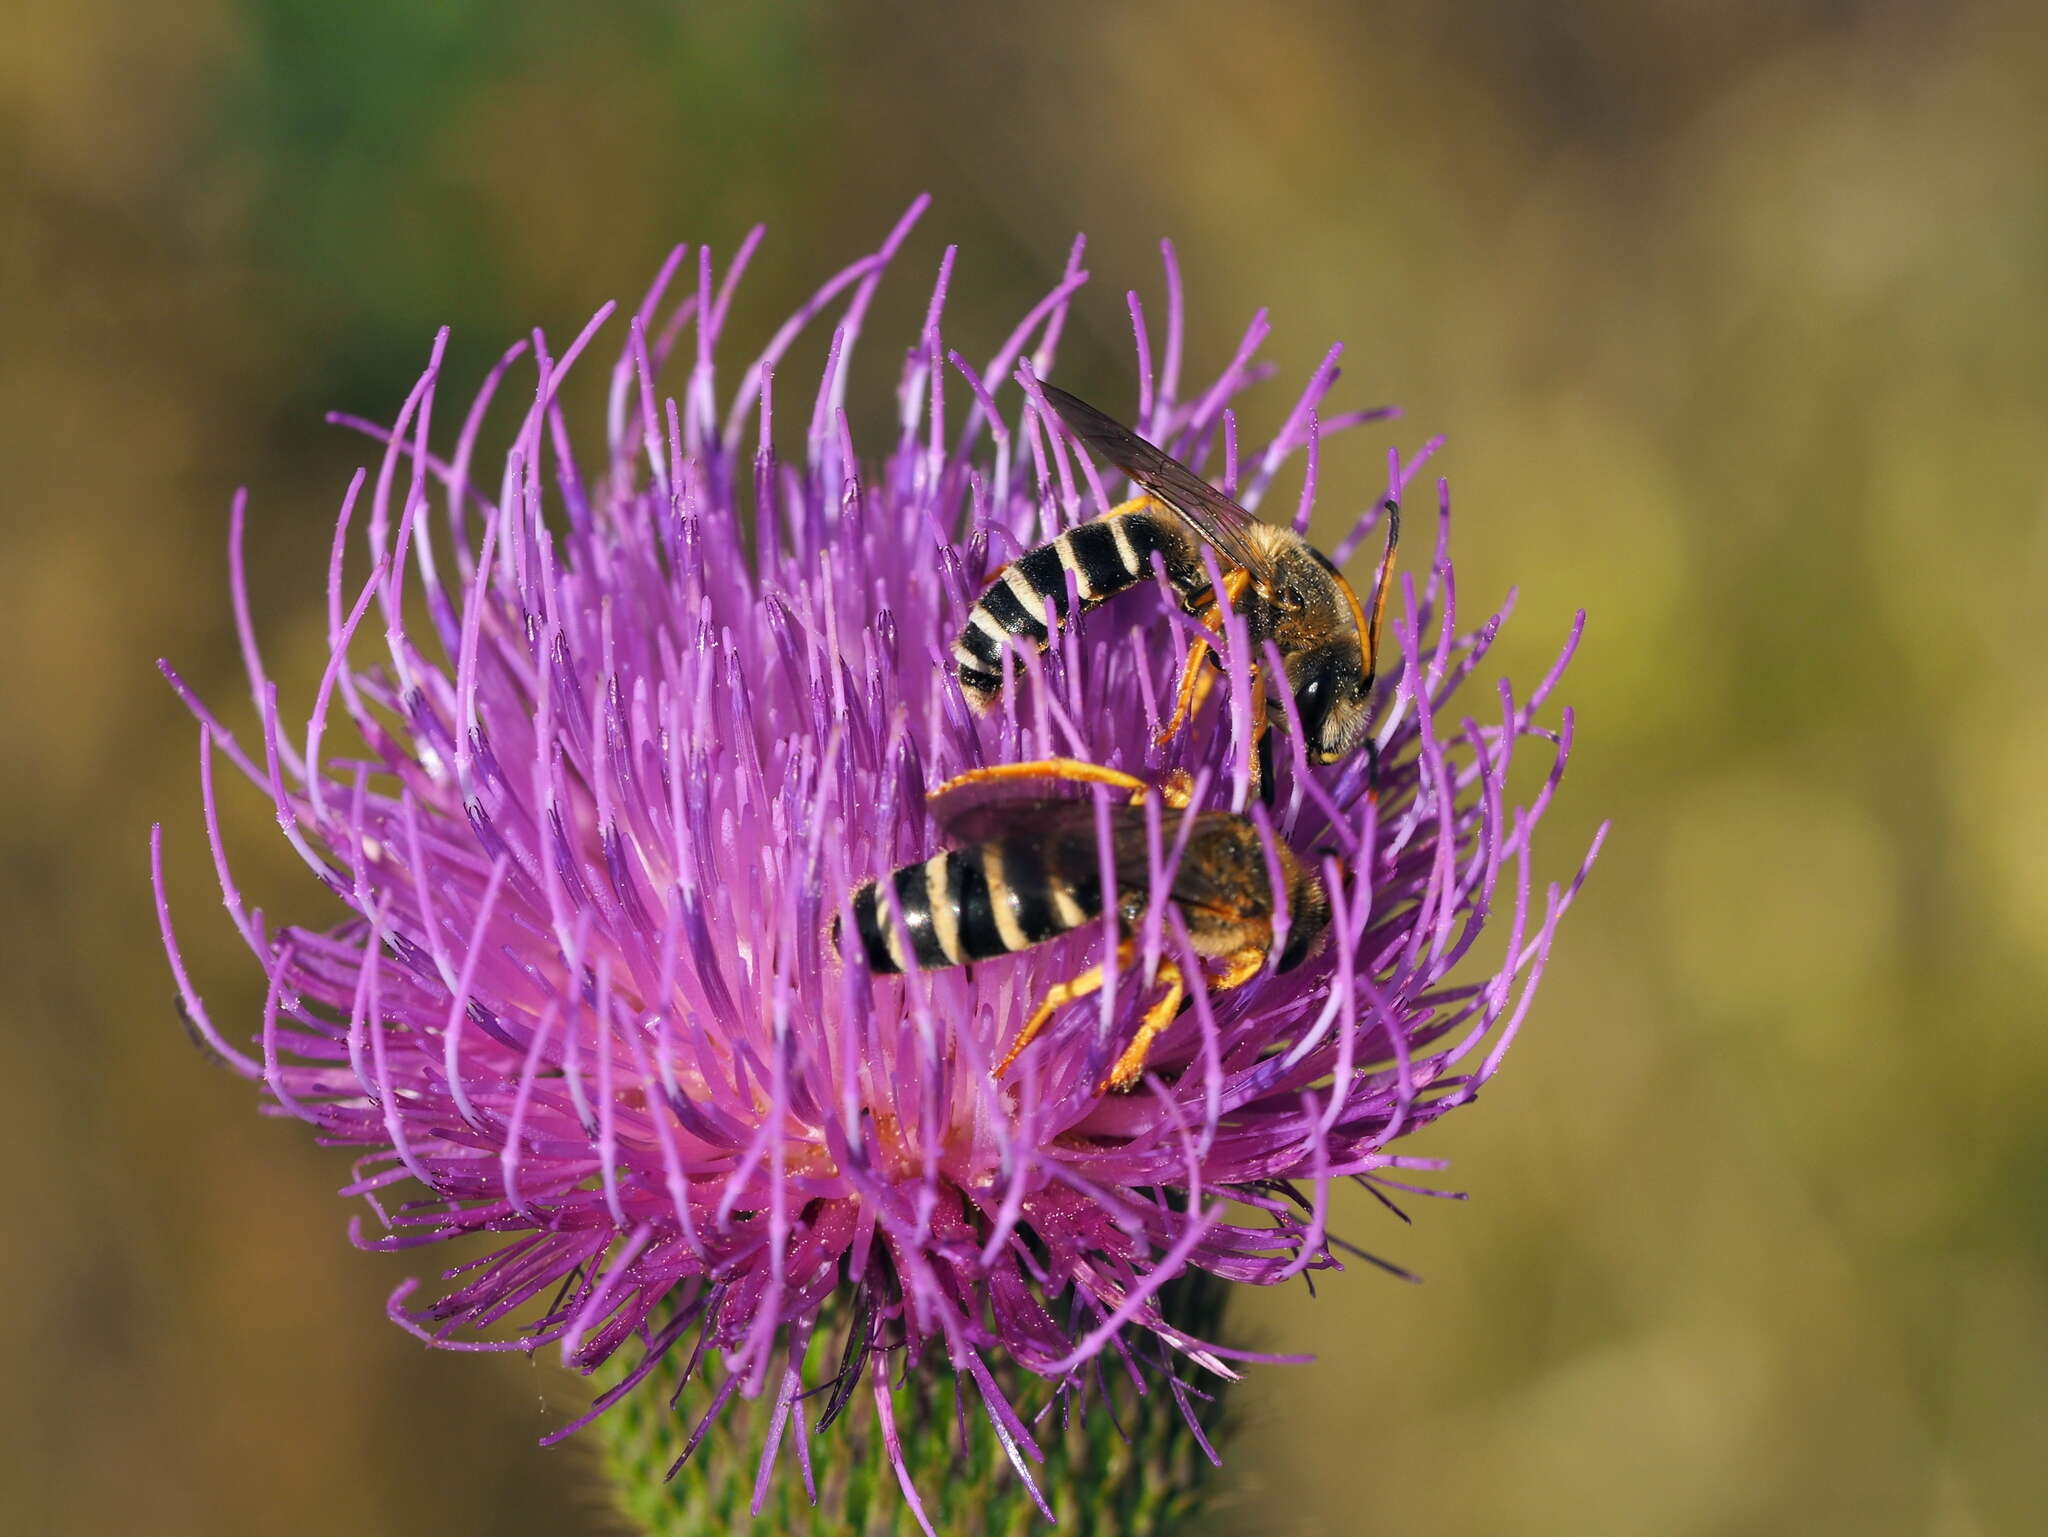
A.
pixel 647 707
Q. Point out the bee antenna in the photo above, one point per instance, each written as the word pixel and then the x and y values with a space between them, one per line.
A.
pixel 1380 583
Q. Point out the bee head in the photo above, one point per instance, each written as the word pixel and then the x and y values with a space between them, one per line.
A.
pixel 1320 629
pixel 1330 695
pixel 1308 912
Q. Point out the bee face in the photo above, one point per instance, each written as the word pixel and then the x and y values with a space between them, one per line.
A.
pixel 1308 907
pixel 1315 619
pixel 1329 690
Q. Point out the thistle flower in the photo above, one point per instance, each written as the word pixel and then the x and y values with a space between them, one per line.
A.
pixel 644 717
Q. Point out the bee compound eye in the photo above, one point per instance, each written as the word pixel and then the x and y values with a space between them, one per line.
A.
pixel 1312 699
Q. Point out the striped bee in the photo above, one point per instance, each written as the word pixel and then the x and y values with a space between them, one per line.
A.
pixel 1030 871
pixel 1287 591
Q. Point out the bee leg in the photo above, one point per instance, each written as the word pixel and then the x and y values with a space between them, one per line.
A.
pixel 1261 738
pixel 1072 770
pixel 1235 585
pixel 1157 1018
pixel 1195 683
pixel 1195 679
pixel 1239 968
pixel 1086 985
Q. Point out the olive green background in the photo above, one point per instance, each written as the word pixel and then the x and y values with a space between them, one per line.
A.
pixel 1733 313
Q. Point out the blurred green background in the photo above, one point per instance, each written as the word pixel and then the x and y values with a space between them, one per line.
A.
pixel 1733 313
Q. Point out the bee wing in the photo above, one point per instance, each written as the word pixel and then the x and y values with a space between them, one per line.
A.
pixel 987 810
pixel 995 811
pixel 1221 522
pixel 1000 811
pixel 1024 786
pixel 1197 883
pixel 1230 887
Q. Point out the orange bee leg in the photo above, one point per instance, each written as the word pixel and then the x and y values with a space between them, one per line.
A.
pixel 1195 678
pixel 1235 584
pixel 1195 682
pixel 1070 770
pixel 1157 1018
pixel 1259 727
pixel 1177 792
pixel 1240 968
pixel 1086 985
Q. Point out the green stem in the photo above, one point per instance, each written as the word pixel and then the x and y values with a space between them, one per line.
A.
pixel 1146 1481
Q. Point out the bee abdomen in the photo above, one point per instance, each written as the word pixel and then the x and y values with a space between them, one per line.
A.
pixel 1106 557
pixel 928 947
pixel 970 904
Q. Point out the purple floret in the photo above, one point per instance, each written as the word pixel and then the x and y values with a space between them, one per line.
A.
pixel 642 718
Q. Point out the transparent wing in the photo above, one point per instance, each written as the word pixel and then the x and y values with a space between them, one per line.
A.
pixel 1223 869
pixel 1221 522
pixel 1000 794
pixel 996 816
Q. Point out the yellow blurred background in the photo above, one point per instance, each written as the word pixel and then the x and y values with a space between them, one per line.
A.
pixel 1733 313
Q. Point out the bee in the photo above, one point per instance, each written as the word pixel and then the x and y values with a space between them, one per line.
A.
pixel 1286 590
pixel 1031 871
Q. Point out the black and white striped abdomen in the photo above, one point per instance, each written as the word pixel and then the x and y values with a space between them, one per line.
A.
pixel 970 904
pixel 1106 557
